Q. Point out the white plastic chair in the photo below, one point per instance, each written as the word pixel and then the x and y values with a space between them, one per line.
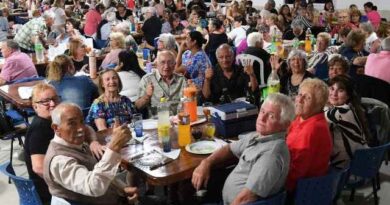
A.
pixel 247 59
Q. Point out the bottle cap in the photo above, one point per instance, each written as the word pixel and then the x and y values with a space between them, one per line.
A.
pixel 163 99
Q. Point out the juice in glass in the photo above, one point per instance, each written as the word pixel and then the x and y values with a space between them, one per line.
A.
pixel 184 132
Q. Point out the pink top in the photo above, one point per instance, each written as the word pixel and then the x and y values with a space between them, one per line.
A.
pixel 375 18
pixel 92 20
pixel 112 57
pixel 17 66
pixel 378 65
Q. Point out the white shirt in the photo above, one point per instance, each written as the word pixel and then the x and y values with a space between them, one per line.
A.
pixel 238 34
pixel 369 40
pixel 130 82
pixel 77 178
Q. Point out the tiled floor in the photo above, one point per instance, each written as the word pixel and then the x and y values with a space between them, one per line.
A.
pixel 9 196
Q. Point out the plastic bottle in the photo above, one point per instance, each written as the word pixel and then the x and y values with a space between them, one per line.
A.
pixel 308 41
pixel 249 97
pixel 225 97
pixel 163 123
pixel 190 104
pixel 92 65
pixel 184 132
pixel 39 50
pixel 273 82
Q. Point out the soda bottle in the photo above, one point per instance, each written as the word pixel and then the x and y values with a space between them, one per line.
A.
pixel 190 104
pixel 273 82
pixel 39 51
pixel 163 123
pixel 308 41
pixel 184 132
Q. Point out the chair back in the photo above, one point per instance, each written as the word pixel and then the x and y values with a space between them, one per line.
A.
pixel 277 199
pixel 25 187
pixel 27 79
pixel 366 162
pixel 247 59
pixel 317 190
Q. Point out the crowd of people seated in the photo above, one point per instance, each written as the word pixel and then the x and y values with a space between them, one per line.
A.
pixel 316 121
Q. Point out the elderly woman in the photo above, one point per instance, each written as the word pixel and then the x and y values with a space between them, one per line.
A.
pixel 130 73
pixel 76 89
pixel 354 51
pixel 297 31
pixel 194 60
pixel 373 43
pixel 338 65
pixel 308 139
pixel 297 64
pixel 378 63
pixel 117 44
pixel 167 41
pixel 77 52
pixel 110 105
pixel 318 62
pixel 346 120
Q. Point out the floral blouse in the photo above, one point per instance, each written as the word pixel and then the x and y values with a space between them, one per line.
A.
pixel 195 66
pixel 108 111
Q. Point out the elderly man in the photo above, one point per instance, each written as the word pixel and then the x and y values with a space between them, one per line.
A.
pixel 163 83
pixel 152 26
pixel 227 77
pixel 17 65
pixel 378 64
pixel 36 27
pixel 255 48
pixel 308 138
pixel 71 171
pixel 263 156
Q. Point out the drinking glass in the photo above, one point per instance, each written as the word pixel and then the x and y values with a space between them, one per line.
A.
pixel 196 132
pixel 137 123
pixel 209 130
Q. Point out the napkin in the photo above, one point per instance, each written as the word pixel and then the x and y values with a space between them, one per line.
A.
pixel 25 92
pixel 4 88
pixel 173 154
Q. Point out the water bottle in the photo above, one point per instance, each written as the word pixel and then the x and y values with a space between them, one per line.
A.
pixel 38 47
pixel 273 82
pixel 163 124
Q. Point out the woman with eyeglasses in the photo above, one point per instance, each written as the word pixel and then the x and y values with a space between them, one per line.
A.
pixel 38 136
pixel 110 105
pixel 76 89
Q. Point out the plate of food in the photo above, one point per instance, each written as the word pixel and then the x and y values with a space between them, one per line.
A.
pixel 202 147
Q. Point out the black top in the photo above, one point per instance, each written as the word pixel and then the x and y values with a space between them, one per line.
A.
pixel 289 89
pixel 215 40
pixel 236 85
pixel 171 6
pixel 263 55
pixel 127 14
pixel 201 5
pixel 37 141
pixel 289 35
pixel 152 29
pixel 79 64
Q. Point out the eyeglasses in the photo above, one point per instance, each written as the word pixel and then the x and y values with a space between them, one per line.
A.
pixel 46 101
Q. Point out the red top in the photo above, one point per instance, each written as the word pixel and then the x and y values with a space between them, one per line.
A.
pixel 92 20
pixel 310 146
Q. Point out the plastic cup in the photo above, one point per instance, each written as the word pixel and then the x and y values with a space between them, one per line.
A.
pixel 146 53
pixel 138 128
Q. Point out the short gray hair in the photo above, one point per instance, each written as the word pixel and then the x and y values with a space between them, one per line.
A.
pixel 367 27
pixel 123 27
pixel 168 40
pixel 297 24
pixel 286 105
pixel 59 110
pixel 224 46
pixel 253 38
pixel 48 14
pixel 385 44
pixel 12 44
pixel 296 52
pixel 131 43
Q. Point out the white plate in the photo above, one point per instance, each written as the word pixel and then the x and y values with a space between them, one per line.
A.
pixel 149 124
pixel 202 147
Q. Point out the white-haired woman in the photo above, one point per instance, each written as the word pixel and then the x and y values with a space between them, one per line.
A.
pixel 167 41
pixel 297 64
pixel 318 62
pixel 117 44
pixel 372 43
